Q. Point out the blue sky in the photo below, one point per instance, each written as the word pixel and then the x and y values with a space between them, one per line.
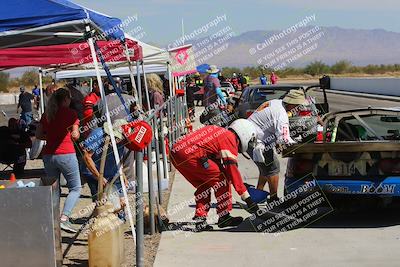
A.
pixel 160 20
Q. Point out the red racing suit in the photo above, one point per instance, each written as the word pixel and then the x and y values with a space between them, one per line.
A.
pixel 207 158
pixel 88 102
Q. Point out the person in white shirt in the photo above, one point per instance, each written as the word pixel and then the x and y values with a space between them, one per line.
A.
pixel 272 124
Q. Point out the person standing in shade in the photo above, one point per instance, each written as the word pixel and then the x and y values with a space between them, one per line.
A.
pixel 59 126
pixel 36 95
pixel 24 102
pixel 156 91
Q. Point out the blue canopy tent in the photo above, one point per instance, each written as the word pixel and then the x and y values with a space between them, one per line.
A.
pixel 46 22
pixel 27 23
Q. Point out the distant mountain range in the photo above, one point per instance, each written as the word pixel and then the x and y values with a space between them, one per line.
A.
pixel 361 47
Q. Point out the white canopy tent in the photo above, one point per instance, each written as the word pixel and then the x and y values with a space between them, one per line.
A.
pixel 120 71
pixel 27 23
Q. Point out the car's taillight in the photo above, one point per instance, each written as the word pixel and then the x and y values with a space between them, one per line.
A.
pixel 249 112
pixel 390 166
pixel 302 167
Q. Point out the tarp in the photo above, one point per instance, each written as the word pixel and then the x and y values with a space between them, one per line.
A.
pixel 34 22
pixel 76 53
pixel 149 54
pixel 122 71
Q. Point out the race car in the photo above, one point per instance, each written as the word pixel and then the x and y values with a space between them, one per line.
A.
pixel 358 156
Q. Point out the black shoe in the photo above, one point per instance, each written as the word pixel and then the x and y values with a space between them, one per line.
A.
pixel 227 221
pixel 202 225
pixel 273 199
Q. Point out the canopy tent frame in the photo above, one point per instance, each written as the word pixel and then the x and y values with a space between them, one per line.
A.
pixel 16 31
pixel 117 158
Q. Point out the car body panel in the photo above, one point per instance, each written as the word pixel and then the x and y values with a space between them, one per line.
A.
pixel 354 167
pixel 389 186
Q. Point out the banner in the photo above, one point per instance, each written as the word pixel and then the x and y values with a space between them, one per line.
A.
pixel 182 61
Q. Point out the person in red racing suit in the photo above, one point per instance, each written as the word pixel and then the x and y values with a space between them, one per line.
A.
pixel 207 158
pixel 88 103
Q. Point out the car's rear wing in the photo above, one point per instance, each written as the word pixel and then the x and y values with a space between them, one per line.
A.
pixel 323 107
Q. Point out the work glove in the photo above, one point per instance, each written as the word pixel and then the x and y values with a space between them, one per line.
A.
pixel 252 207
pixel 258 152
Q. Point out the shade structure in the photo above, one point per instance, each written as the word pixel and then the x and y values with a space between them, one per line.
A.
pixel 64 54
pixel 121 71
pixel 25 23
pixel 29 23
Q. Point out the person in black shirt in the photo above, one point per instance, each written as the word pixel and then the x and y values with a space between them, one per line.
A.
pixel 14 141
pixel 24 102
pixel 190 97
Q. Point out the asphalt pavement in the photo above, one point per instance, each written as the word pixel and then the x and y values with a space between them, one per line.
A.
pixel 362 237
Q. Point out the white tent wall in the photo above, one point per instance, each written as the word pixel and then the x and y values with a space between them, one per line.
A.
pixel 121 71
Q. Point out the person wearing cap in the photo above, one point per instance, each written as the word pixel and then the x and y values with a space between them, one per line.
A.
pixel 212 88
pixel 25 103
pixel 272 123
pixel 93 147
pixel 208 159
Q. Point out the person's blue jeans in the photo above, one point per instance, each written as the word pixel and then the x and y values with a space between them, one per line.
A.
pixel 27 117
pixel 68 165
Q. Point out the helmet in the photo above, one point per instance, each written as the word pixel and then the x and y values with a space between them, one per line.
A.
pixel 246 132
pixel 234 75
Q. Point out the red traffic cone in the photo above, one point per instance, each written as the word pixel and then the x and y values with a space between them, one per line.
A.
pixel 12 178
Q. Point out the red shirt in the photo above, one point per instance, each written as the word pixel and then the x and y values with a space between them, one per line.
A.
pixel 88 102
pixel 217 144
pixel 58 132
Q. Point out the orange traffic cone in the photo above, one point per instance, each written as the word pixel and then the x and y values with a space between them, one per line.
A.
pixel 13 178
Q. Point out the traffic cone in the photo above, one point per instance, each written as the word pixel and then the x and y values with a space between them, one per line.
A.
pixel 13 178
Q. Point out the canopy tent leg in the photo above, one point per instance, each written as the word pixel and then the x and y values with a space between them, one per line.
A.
pixel 113 141
pixel 139 84
pixel 146 88
pixel 130 65
pixel 41 110
pixel 169 79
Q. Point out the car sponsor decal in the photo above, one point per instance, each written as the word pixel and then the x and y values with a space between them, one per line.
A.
pixel 380 189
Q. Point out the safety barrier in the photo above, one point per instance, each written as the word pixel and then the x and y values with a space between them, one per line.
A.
pixel 378 86
pixel 8 99
pixel 174 120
